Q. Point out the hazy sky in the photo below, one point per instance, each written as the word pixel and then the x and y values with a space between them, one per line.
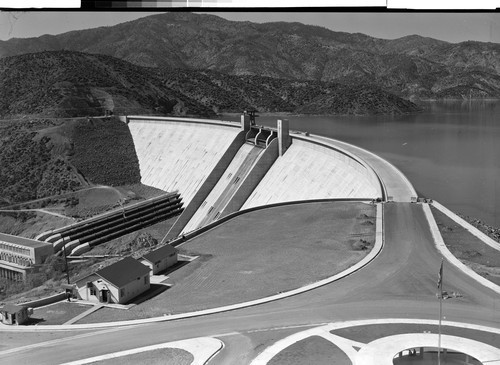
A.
pixel 452 27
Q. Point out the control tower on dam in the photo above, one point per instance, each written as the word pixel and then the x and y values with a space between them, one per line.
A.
pixel 222 167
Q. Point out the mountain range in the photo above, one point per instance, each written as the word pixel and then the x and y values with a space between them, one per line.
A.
pixel 411 67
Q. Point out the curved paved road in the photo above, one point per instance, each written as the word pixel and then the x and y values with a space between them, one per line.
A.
pixel 399 283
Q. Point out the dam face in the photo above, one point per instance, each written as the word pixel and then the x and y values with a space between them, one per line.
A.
pixel 309 171
pixel 217 172
pixel 177 155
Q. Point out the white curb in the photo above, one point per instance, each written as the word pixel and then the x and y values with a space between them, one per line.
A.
pixel 264 357
pixel 473 230
pixel 202 348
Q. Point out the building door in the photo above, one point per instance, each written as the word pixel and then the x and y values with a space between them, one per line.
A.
pixel 13 317
pixel 104 296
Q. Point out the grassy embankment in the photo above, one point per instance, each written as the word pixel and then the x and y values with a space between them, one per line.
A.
pixel 311 350
pixel 266 252
pixel 469 249
pixel 165 356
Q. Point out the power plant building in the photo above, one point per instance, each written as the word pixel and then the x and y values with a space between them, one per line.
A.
pixel 19 255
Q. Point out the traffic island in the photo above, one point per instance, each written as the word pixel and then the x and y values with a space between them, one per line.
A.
pixel 311 350
pixel 387 342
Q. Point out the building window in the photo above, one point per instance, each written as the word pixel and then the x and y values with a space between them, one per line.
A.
pixel 145 280
pixel 92 290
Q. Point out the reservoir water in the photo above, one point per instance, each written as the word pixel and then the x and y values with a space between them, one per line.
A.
pixel 450 152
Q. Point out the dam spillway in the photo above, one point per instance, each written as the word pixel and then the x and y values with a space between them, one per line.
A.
pixel 226 187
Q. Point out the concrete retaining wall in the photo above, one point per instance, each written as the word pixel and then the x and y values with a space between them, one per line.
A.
pixel 45 301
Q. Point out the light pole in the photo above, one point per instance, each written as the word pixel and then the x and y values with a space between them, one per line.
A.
pixel 66 262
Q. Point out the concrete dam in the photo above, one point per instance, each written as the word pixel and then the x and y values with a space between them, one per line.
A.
pixel 221 167
pixel 178 155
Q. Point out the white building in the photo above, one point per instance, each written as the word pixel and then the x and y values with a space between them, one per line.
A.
pixel 14 314
pixel 116 283
pixel 160 259
pixel 19 255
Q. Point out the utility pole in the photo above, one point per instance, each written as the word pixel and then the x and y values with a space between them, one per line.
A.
pixel 66 262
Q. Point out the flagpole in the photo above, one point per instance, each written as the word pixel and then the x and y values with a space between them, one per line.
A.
pixel 440 285
pixel 440 316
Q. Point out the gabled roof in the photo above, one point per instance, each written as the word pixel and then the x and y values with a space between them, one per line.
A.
pixel 123 272
pixel 159 253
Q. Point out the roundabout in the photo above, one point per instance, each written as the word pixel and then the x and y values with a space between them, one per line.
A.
pixel 387 346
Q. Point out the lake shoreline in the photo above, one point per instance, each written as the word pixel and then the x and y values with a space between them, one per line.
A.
pixel 297 115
